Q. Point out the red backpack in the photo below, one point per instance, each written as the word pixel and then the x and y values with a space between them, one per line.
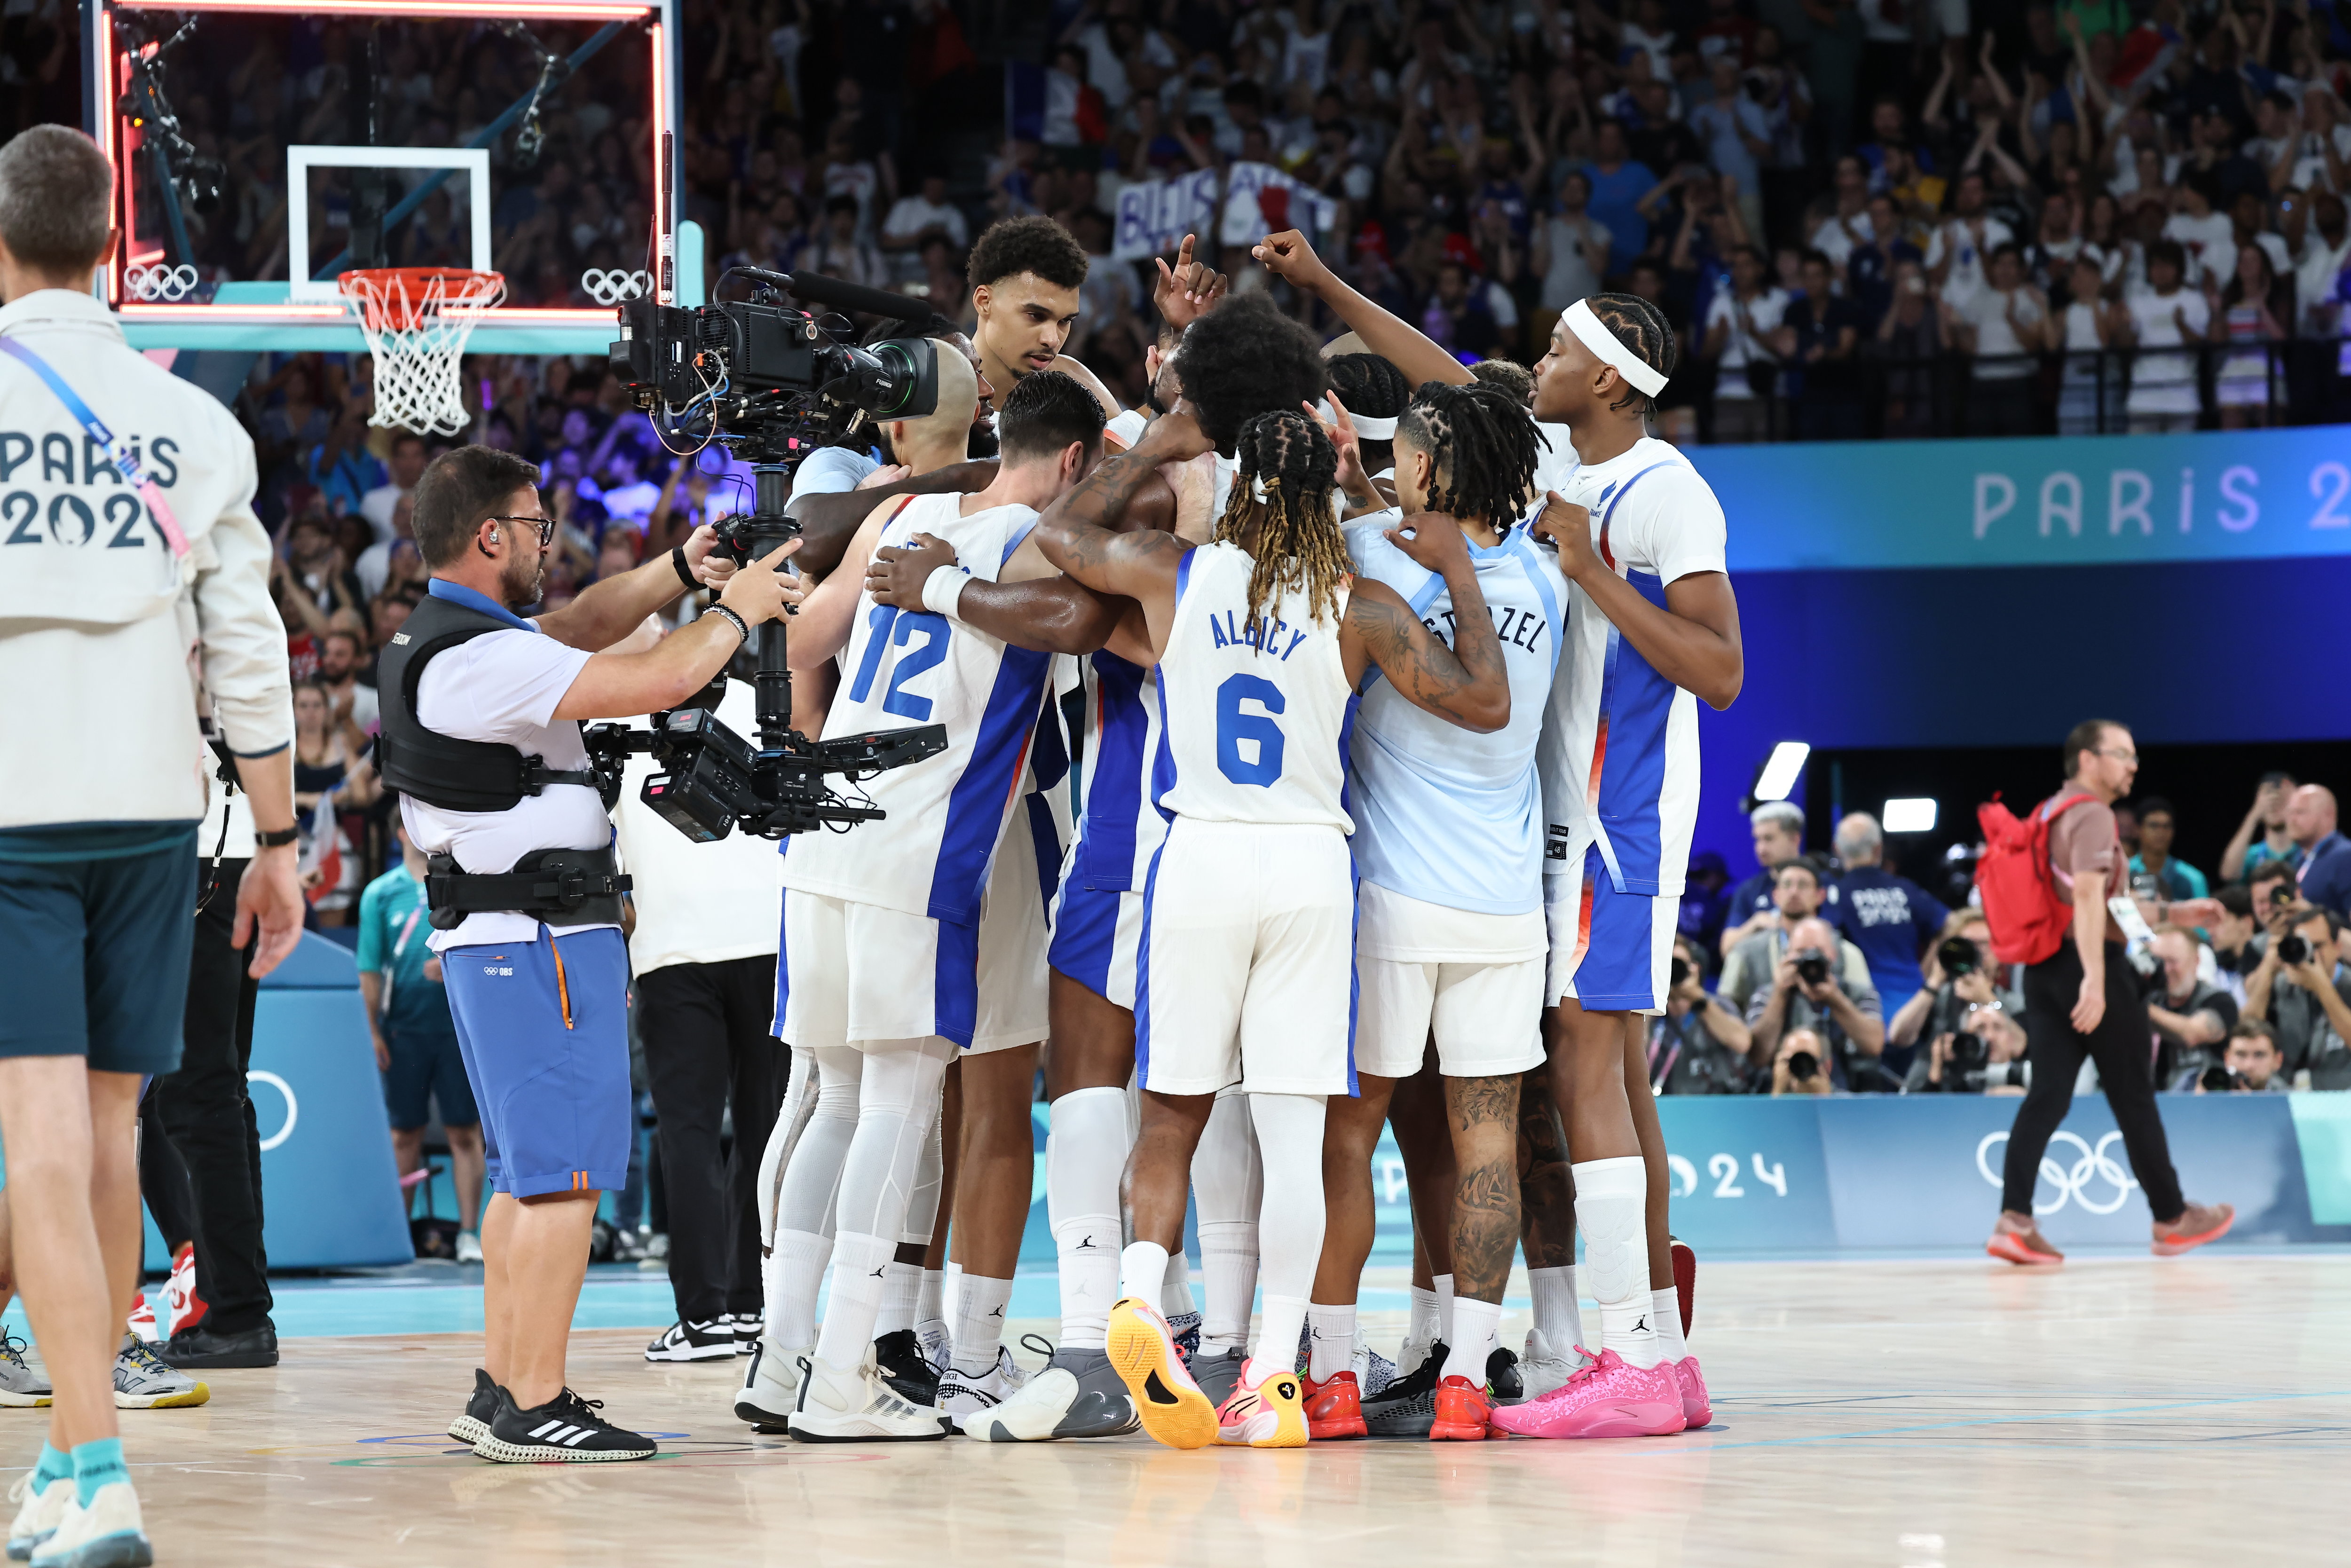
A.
pixel 2028 916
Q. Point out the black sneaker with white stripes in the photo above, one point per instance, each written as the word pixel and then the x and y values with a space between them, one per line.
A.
pixel 904 1367
pixel 474 1424
pixel 566 1428
pixel 711 1341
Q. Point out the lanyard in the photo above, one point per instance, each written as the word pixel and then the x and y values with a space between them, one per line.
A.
pixel 126 462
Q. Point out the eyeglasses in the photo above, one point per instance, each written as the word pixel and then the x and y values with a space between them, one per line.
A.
pixel 2130 757
pixel 546 526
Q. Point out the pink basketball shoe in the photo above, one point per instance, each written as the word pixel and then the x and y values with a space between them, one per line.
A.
pixel 1696 1411
pixel 1605 1399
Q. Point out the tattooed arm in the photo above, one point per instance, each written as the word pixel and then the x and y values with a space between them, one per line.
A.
pixel 1465 684
pixel 1078 534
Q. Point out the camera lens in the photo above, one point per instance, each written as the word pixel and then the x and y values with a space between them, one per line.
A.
pixel 1957 955
pixel 1968 1051
pixel 2293 949
pixel 1803 1066
pixel 1813 968
pixel 2216 1080
pixel 1680 970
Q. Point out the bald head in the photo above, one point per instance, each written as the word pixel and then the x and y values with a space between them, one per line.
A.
pixel 943 435
pixel 2310 814
pixel 1812 932
pixel 1859 839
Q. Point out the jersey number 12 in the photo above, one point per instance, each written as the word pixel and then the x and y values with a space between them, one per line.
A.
pixel 932 653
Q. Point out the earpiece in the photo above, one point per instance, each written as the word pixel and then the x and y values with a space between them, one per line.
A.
pixel 494 536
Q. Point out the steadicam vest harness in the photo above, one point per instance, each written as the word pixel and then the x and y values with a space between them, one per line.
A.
pixel 573 887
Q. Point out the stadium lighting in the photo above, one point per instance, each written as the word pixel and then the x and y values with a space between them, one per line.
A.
pixel 1777 779
pixel 1911 814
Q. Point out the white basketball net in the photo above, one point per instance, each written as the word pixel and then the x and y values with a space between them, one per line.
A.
pixel 417 343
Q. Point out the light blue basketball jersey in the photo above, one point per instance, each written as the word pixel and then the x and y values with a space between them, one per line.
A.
pixel 1444 814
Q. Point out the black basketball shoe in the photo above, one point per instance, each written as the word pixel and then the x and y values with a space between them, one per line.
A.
pixel 1503 1376
pixel 566 1428
pixel 1406 1407
pixel 474 1424
pixel 904 1367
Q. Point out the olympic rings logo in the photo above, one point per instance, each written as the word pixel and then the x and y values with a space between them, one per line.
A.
pixel 164 283
pixel 613 286
pixel 293 1107
pixel 2094 1164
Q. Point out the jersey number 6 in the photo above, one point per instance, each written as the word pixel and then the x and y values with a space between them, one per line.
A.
pixel 1234 726
pixel 933 653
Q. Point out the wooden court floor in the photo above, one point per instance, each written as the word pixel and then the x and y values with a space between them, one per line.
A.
pixel 1903 1413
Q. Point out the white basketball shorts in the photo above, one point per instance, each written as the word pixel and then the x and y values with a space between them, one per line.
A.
pixel 850 972
pixel 1012 944
pixel 1248 961
pixel 1475 980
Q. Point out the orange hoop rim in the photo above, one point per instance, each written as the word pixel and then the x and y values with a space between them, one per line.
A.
pixel 399 295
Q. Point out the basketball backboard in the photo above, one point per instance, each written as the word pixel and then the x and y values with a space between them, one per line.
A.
pixel 262 147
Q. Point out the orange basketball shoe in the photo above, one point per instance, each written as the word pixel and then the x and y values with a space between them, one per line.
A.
pixel 1142 1349
pixel 1334 1408
pixel 1270 1415
pixel 1463 1411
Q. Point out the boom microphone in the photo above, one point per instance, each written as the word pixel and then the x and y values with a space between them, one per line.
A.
pixel 816 289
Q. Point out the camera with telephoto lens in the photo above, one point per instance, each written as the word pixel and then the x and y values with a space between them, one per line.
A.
pixel 1681 971
pixel 2216 1080
pixel 2293 949
pixel 1957 956
pixel 1813 966
pixel 1967 1067
pixel 1803 1066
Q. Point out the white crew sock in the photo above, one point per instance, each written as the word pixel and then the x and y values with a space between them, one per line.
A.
pixel 1478 1323
pixel 1175 1291
pixel 791 1309
pixel 862 1261
pixel 1444 1283
pixel 1142 1270
pixel 1420 1331
pixel 1558 1318
pixel 1609 1197
pixel 1666 1317
pixel 902 1285
pixel 930 1299
pixel 980 1305
pixel 1334 1345
pixel 1085 1152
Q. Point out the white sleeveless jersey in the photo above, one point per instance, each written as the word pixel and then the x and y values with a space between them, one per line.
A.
pixel 1254 722
pixel 1443 814
pixel 1119 827
pixel 901 668
pixel 1619 757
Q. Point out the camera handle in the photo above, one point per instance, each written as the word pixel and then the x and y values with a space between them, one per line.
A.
pixel 772 678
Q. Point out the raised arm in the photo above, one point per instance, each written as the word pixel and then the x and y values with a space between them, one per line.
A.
pixel 623 686
pixel 1420 357
pixel 1693 642
pixel 1465 684
pixel 608 611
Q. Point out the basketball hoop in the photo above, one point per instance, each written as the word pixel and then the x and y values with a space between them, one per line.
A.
pixel 417 320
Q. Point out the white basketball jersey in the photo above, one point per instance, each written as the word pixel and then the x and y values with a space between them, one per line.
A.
pixel 1254 720
pixel 1119 829
pixel 1442 814
pixel 902 668
pixel 1619 758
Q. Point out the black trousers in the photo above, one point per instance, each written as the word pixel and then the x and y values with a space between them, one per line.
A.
pixel 704 1028
pixel 163 1176
pixel 2123 1049
pixel 206 1114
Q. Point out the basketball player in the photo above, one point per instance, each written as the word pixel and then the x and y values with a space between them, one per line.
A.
pixel 1025 274
pixel 879 966
pixel 1652 627
pixel 1450 939
pixel 1248 905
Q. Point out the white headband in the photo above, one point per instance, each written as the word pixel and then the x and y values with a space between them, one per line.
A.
pixel 1644 378
pixel 1366 426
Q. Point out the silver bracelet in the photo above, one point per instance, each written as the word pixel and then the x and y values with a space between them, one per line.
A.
pixel 742 628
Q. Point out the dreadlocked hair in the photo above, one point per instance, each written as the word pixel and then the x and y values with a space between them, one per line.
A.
pixel 1483 446
pixel 1641 328
pixel 1298 545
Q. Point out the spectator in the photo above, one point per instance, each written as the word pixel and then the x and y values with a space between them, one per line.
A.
pixel 1778 827
pixel 2263 837
pixel 2254 306
pixel 373 570
pixel 1968 985
pixel 2325 871
pixel 2089 397
pixel 1737 135
pixel 2000 325
pixel 1821 336
pixel 916 220
pixel 1798 1066
pixel 1617 184
pixel 2274 888
pixel 405 464
pixel 341 655
pixel 1706 899
pixel 1698 1045
pixel 1958 255
pixel 1811 989
pixel 1570 249
pixel 2236 943
pixel 1740 325
pixel 1890 918
pixel 2165 315
pixel 2156 876
pixel 416 1040
pixel 1797 895
pixel 1910 336
pixel 2300 989
pixel 2192 1017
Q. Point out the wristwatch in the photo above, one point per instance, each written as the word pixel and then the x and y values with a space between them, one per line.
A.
pixel 277 840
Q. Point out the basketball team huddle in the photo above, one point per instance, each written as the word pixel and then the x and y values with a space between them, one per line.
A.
pixel 1383 707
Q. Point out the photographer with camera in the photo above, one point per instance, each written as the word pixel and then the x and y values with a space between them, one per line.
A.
pixel 1778 831
pixel 1968 1022
pixel 2054 887
pixel 1797 895
pixel 144 595
pixel 1811 989
pixel 2253 1065
pixel 2299 989
pixel 2191 1018
pixel 1697 1046
pixel 481 735
pixel 1796 1066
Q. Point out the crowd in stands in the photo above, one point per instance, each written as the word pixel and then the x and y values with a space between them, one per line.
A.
pixel 1822 974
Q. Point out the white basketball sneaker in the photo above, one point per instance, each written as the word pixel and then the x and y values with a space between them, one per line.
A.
pixel 1544 1368
pixel 1079 1395
pixel 853 1404
pixel 109 1533
pixel 963 1396
pixel 38 1512
pixel 771 1386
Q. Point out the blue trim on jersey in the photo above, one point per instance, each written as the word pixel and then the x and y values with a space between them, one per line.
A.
pixel 1355 972
pixel 1163 762
pixel 1532 564
pixel 1114 801
pixel 982 798
pixel 1085 936
pixel 783 967
pixel 955 982
pixel 1418 604
pixel 1048 755
pixel 1045 838
pixel 1627 489
pixel 1638 703
pixel 1143 970
pixel 1020 536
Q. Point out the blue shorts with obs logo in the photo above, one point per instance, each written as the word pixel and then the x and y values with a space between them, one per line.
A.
pixel 544 1028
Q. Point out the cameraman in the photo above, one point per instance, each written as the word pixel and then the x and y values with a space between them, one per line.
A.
pixel 2299 989
pixel 1808 990
pixel 2085 1000
pixel 2253 1065
pixel 1697 1046
pixel 2192 1019
pixel 1967 1020
pixel 481 735
pixel 1796 895
pixel 136 580
pixel 1796 1069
